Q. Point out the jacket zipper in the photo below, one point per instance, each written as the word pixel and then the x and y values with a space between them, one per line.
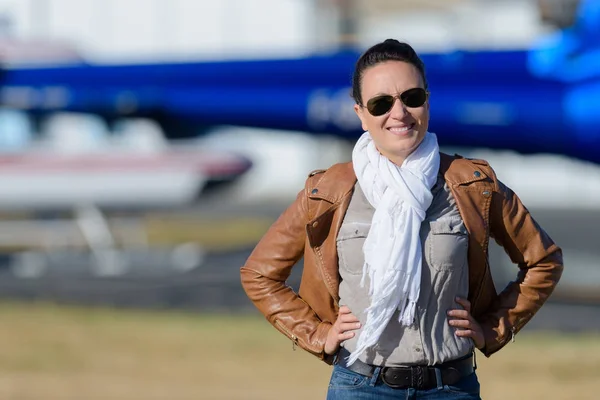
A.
pixel 321 267
pixel 289 334
pixel 519 324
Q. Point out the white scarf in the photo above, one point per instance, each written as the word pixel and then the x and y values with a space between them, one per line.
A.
pixel 392 249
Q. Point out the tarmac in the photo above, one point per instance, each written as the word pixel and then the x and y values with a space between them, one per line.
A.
pixel 214 286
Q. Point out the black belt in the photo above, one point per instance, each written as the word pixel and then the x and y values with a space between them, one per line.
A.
pixel 418 377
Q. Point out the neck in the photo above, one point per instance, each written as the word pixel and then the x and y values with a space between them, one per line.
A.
pixel 397 159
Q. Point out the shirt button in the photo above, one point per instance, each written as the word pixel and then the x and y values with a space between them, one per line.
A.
pixel 315 224
pixel 315 191
pixel 418 350
pixel 486 193
pixel 477 174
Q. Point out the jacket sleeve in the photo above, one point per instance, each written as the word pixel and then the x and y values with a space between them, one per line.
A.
pixel 540 267
pixel 265 272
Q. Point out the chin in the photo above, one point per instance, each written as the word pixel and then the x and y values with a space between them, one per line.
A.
pixel 406 146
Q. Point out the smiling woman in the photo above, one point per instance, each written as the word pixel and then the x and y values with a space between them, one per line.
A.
pixel 396 290
pixel 391 72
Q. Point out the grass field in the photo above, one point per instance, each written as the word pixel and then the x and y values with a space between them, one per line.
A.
pixel 58 352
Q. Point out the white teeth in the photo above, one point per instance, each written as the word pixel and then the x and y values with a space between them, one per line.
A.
pixel 396 129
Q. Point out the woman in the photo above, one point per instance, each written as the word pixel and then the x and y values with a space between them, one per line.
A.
pixel 396 290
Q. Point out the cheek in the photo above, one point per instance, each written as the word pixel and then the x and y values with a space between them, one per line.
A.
pixel 423 115
pixel 420 114
pixel 378 122
pixel 372 123
pixel 380 137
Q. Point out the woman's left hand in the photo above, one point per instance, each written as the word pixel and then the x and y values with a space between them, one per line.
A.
pixel 467 325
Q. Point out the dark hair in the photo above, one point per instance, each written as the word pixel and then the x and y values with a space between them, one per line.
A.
pixel 388 50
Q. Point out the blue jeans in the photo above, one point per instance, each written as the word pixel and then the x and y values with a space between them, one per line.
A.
pixel 348 385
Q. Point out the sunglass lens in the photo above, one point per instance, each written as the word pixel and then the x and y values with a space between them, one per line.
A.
pixel 380 105
pixel 414 97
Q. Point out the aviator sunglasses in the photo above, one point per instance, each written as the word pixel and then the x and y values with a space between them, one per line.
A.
pixel 412 98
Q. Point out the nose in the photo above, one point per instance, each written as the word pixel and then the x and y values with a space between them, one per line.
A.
pixel 398 110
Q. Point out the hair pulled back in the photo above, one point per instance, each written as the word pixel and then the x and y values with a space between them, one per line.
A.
pixel 388 50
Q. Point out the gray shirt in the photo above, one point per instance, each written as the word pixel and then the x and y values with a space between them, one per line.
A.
pixel 430 340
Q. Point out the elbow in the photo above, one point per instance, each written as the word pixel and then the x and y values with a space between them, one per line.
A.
pixel 258 287
pixel 558 264
pixel 248 279
pixel 251 283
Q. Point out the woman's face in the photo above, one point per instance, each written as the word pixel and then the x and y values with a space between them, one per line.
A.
pixel 400 131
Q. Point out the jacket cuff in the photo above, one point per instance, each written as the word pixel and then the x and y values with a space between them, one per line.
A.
pixel 493 340
pixel 320 339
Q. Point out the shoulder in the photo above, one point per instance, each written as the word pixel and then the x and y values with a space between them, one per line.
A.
pixel 461 160
pixel 333 168
pixel 462 170
pixel 339 170
pixel 331 183
pixel 316 172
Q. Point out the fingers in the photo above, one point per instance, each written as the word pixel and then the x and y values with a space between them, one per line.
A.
pixel 461 323
pixel 343 327
pixel 347 318
pixel 465 303
pixel 346 331
pixel 473 334
pixel 464 314
pixel 345 336
pixel 344 310
pixel 463 319
pixel 346 323
pixel 345 315
pixel 466 333
pixel 466 325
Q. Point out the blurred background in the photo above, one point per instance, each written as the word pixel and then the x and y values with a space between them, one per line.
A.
pixel 146 146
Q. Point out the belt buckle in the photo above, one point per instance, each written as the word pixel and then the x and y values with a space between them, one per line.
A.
pixel 419 378
pixel 393 385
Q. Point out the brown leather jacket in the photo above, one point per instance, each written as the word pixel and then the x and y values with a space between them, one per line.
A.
pixel 310 225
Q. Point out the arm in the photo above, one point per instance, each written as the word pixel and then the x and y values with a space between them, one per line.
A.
pixel 540 267
pixel 268 267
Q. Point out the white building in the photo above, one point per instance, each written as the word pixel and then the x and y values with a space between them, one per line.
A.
pixel 108 30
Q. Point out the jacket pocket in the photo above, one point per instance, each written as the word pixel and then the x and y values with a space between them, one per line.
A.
pixel 350 240
pixel 447 244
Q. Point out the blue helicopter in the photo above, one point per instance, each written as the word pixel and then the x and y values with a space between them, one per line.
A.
pixel 545 99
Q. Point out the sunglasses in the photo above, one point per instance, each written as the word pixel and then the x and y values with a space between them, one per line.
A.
pixel 412 98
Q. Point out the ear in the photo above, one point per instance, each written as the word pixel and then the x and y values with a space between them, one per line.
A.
pixel 360 111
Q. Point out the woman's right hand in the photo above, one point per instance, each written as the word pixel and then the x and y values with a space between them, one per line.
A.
pixel 341 330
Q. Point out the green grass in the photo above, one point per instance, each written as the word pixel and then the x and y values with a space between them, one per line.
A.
pixel 213 234
pixel 60 352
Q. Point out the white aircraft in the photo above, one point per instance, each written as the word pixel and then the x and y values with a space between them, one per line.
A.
pixel 75 161
pixel 74 164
